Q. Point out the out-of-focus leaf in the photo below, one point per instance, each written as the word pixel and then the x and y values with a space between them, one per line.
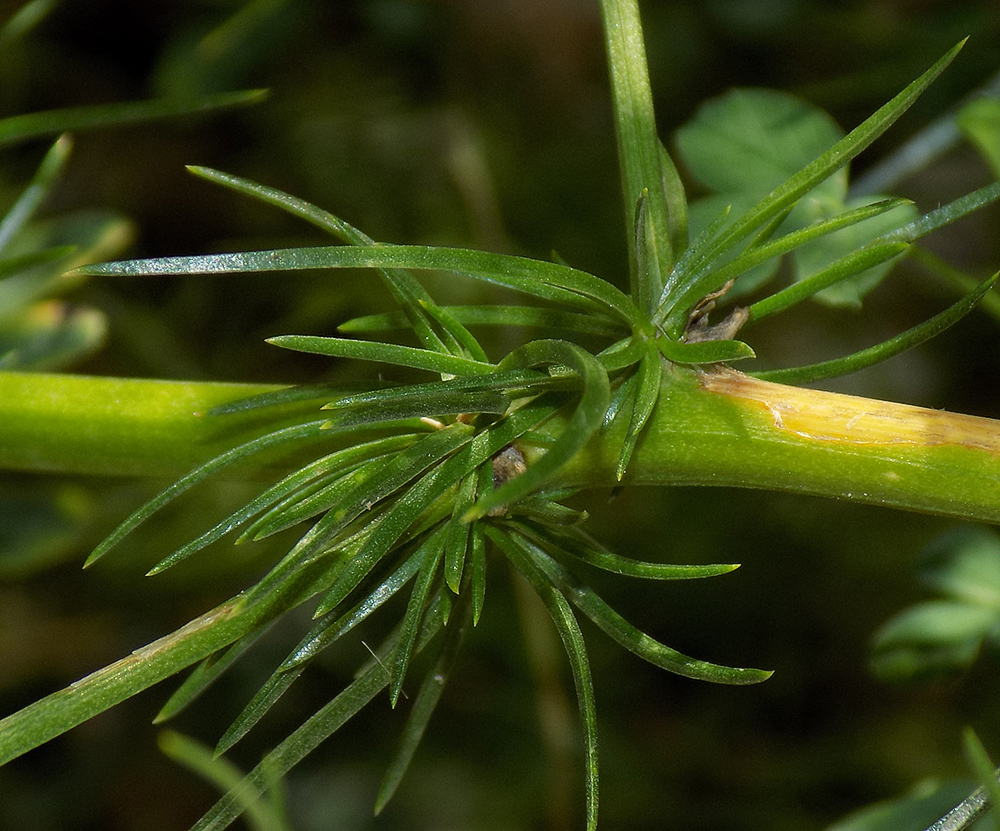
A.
pixel 51 336
pixel 931 640
pixel 915 811
pixel 966 565
pixel 752 140
pixel 74 119
pixel 980 121
pixel 40 525
pixel 263 813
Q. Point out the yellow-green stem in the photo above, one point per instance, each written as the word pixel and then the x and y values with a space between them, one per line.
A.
pixel 714 428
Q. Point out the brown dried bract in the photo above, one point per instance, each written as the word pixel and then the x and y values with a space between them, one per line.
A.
pixel 507 464
pixel 698 329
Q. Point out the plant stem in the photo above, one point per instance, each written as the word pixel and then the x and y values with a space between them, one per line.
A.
pixel 126 427
pixel 639 155
pixel 725 428
pixel 716 428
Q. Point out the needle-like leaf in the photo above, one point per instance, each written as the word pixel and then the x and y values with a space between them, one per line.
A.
pixel 314 731
pixel 548 281
pixel 576 650
pixel 75 119
pixel 647 648
pixel 430 553
pixel 388 353
pixel 424 704
pixel 311 431
pixel 885 350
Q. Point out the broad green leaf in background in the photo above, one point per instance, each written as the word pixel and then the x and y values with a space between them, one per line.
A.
pixel 941 637
pixel 966 565
pixel 747 142
pixel 930 640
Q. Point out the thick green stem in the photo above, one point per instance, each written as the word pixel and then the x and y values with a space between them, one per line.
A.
pixel 726 428
pixel 80 424
pixel 717 428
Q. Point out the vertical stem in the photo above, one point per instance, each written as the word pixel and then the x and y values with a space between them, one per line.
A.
pixel 638 144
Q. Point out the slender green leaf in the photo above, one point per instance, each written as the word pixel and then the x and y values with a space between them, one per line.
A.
pixel 29 200
pixel 463 341
pixel 946 214
pixel 311 431
pixel 24 20
pixel 389 353
pixel 550 281
pixel 979 121
pixel 403 286
pixel 694 257
pixel 757 254
pixel 623 395
pixel 547 512
pixel 28 278
pixel 74 119
pixel 622 354
pixel 677 210
pixel 703 352
pixel 319 497
pixel 854 263
pixel 324 633
pixel 404 403
pixel 979 760
pixel 283 397
pixel 431 552
pixel 324 466
pixel 646 393
pixel 424 705
pixel 651 253
pixel 576 651
pixel 477 558
pixel 552 320
pixel 624 633
pixel 885 350
pixel 313 732
pixel 205 674
pixel 471 394
pixel 407 464
pixel 457 541
pixel 578 544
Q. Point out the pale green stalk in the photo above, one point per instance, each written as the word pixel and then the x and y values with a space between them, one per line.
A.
pixel 721 428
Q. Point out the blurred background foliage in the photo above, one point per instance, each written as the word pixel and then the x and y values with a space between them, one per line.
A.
pixel 487 124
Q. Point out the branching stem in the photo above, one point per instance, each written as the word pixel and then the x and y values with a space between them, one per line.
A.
pixel 718 428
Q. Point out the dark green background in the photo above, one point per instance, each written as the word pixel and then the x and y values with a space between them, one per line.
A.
pixel 487 124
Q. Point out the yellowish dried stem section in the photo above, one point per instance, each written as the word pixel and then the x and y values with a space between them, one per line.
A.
pixel 826 416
